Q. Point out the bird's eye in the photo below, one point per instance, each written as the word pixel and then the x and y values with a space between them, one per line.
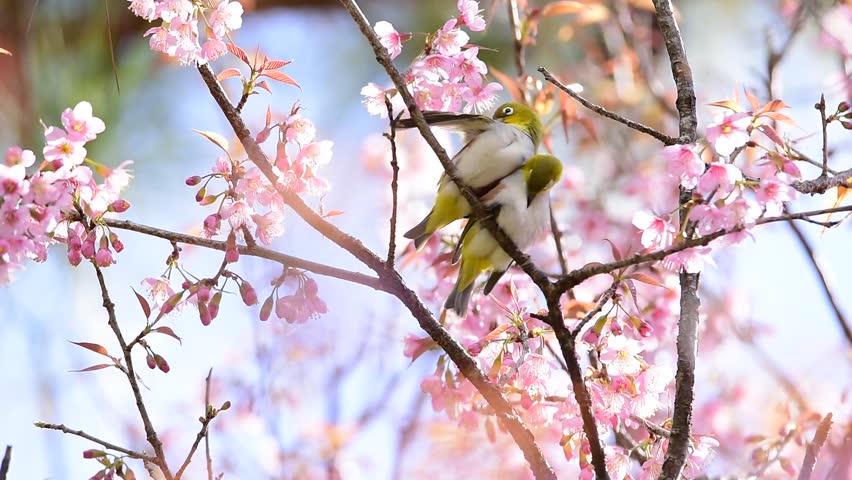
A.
pixel 508 111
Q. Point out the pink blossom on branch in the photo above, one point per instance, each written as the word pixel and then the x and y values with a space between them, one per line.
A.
pixel 729 132
pixel 657 232
pixel 390 38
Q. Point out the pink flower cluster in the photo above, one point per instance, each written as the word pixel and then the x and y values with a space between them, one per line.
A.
pixel 178 35
pixel 249 202
pixel 35 207
pixel 726 195
pixel 302 305
pixel 447 75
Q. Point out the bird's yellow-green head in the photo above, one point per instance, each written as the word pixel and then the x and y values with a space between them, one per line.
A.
pixel 541 173
pixel 520 116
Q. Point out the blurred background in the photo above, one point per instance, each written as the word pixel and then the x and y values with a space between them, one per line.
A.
pixel 337 394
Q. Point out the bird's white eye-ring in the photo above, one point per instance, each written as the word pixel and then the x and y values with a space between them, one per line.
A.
pixel 508 111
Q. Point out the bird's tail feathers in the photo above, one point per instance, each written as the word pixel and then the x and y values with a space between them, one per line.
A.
pixel 419 233
pixel 458 300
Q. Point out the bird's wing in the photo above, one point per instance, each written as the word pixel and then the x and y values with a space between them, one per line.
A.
pixel 467 124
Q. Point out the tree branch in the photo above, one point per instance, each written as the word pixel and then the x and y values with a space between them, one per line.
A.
pixel 252 251
pixel 687 336
pixel 7 460
pixel 209 415
pixel 578 276
pixel 667 140
pixel 809 251
pixel 823 183
pixel 390 278
pixel 820 436
pixel 103 443
pixel 394 183
pixel 150 433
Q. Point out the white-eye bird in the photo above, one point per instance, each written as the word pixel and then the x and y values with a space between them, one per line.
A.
pixel 523 207
pixel 494 148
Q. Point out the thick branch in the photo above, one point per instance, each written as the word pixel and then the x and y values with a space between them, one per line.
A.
pixel 687 335
pixel 252 251
pixel 150 433
pixel 820 436
pixel 391 280
pixel 667 140
pixel 103 443
pixel 567 343
pixel 823 184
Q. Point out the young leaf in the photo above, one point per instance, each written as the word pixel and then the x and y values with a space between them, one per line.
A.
pixel 641 277
pixel 168 331
pixel 237 52
pixel 281 77
pixel 94 367
pixel 93 347
pixel 616 253
pixel 228 73
pixel 146 308
pixel 276 64
pixel 214 137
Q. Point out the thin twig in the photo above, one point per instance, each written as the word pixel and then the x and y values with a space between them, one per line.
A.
pixel 557 240
pixel 598 307
pixel 103 443
pixel 821 107
pixel 517 36
pixel 150 433
pixel 394 182
pixel 667 140
pixel 7 460
pixel 208 458
pixel 252 251
pixel 209 415
pixel 809 251
pixel 820 436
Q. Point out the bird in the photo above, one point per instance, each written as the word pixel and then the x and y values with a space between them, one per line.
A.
pixel 494 148
pixel 522 207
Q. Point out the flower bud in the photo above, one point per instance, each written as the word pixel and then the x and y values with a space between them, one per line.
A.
pixel 213 306
pixel 232 255
pixel 248 293
pixel 119 206
pixel 204 314
pixel 162 364
pixel 266 309
pixel 150 361
pixel 104 257
pixel 93 453
pixel 193 181
pixel 88 248
pixel 117 245
pixel 843 107
pixel 200 194
pixel 74 256
pixel 74 241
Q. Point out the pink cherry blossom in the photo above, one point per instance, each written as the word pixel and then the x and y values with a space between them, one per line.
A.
pixel 449 40
pixel 269 226
pixel 683 164
pixel 471 15
pixel 774 191
pixel 237 214
pixel 657 232
pixel 620 355
pixel 225 18
pixel 719 177
pixel 300 130
pixel 212 49
pixel 146 9
pixel 390 38
pixel 374 100
pixel 61 147
pixel 81 125
pixel 481 98
pixel 729 132
pixel 691 260
pixel 17 156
